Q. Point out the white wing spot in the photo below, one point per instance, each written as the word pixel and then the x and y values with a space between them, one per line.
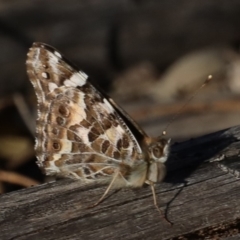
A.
pixel 69 83
pixel 52 86
pixel 53 59
pixel 75 80
pixel 45 75
pixel 78 79
pixel 57 54
pixel 83 132
pixel 83 74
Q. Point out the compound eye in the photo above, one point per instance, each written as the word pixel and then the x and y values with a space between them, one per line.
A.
pixel 157 152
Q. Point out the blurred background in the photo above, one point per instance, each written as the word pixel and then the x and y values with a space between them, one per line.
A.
pixel 150 56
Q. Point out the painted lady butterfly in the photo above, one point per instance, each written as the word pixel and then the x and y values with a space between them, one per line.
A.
pixel 83 134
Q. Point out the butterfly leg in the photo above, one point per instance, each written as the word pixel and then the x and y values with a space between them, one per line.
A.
pixel 107 190
pixel 155 202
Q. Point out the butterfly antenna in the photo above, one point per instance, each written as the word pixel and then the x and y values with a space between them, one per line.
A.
pixel 209 78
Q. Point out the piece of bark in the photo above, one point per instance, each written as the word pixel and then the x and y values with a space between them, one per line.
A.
pixel 200 199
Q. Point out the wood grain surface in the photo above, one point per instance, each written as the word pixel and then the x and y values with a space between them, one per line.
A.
pixel 200 196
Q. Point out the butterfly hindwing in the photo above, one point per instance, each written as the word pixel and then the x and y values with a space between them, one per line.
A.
pixel 80 133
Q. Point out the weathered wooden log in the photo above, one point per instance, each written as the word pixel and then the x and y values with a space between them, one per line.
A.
pixel 201 199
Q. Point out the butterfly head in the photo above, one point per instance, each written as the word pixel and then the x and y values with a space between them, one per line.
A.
pixel 157 151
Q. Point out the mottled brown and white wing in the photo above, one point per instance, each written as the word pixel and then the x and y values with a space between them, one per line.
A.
pixel 80 133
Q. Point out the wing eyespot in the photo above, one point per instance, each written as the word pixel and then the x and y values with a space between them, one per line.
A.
pixel 60 121
pixel 64 111
pixel 56 146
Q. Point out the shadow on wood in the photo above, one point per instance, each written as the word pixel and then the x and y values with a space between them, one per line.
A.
pixel 201 198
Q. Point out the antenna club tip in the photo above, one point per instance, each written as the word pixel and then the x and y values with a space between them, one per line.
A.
pixel 209 77
pixel 164 133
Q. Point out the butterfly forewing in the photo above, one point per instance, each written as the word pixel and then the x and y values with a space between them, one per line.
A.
pixel 80 133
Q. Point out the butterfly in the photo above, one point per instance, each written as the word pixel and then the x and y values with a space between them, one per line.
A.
pixel 83 134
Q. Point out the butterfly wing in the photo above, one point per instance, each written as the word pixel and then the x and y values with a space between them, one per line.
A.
pixel 80 133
